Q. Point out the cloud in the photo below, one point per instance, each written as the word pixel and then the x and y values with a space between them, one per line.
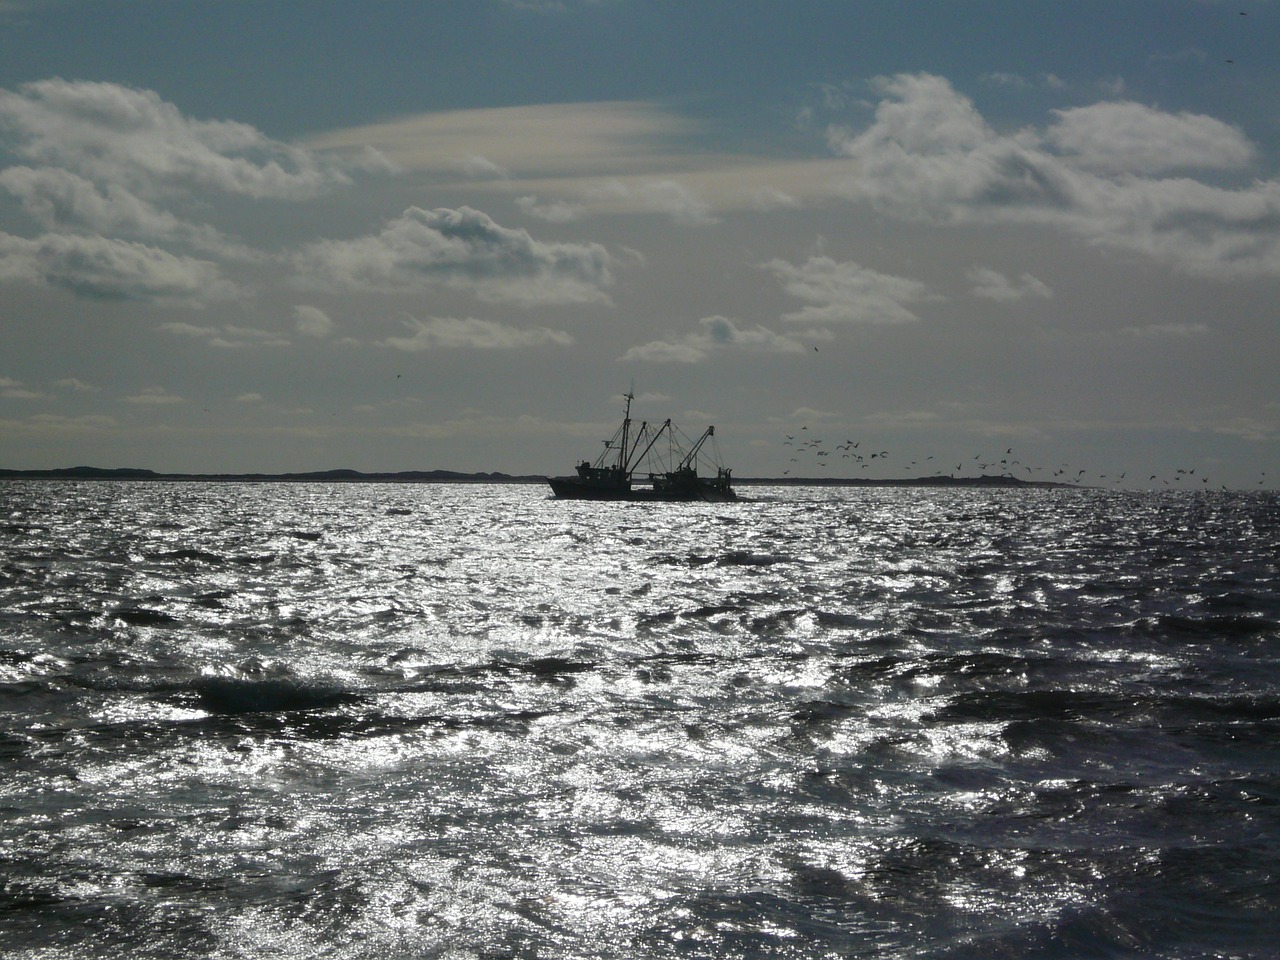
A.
pixel 1019 82
pixel 109 133
pixel 249 398
pixel 106 170
pixel 929 155
pixel 79 386
pixel 312 321
pixel 1128 137
pixel 1247 428
pixel 482 168
pixel 993 285
pixel 44 424
pixel 62 200
pixel 447 333
pixel 771 198
pixel 539 141
pixel 54 197
pixel 555 211
pixel 713 335
pixel 463 249
pixel 227 336
pixel 1178 331
pixel 667 197
pixel 847 292
pixel 154 397
pixel 12 389
pixel 102 268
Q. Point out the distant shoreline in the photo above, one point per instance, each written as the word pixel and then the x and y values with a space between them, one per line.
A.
pixel 451 476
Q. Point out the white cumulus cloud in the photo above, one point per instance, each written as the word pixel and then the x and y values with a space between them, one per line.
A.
pixel 1127 137
pixel 713 335
pixel 463 249
pixel 1096 173
pixel 312 321
pixel 994 285
pixel 110 133
pixel 847 292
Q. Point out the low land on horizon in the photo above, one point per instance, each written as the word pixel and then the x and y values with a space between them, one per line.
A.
pixel 451 476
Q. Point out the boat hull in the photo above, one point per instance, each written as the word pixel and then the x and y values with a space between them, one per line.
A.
pixel 573 488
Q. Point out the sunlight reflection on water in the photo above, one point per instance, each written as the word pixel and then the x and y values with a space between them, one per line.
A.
pixel 474 721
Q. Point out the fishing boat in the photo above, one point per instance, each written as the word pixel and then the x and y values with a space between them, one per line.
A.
pixel 648 463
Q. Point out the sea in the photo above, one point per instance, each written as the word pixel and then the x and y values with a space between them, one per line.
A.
pixel 380 720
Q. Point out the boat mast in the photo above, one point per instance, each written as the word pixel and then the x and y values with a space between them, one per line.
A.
pixel 626 429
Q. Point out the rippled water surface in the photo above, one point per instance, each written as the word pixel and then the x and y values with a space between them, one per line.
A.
pixel 363 720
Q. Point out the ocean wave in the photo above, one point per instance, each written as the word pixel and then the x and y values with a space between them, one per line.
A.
pixel 255 687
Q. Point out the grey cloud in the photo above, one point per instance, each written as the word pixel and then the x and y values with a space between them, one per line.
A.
pixel 103 162
pixel 60 199
pixel 114 134
pixel 55 197
pixel 100 268
pixel 464 249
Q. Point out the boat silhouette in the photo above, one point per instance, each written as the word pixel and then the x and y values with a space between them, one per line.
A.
pixel 635 466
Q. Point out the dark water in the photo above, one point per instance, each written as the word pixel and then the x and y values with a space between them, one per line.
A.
pixel 470 721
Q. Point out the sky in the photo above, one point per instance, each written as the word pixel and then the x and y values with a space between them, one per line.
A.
pixel 269 236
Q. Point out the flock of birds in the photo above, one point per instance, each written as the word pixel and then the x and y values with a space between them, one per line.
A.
pixel 808 451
